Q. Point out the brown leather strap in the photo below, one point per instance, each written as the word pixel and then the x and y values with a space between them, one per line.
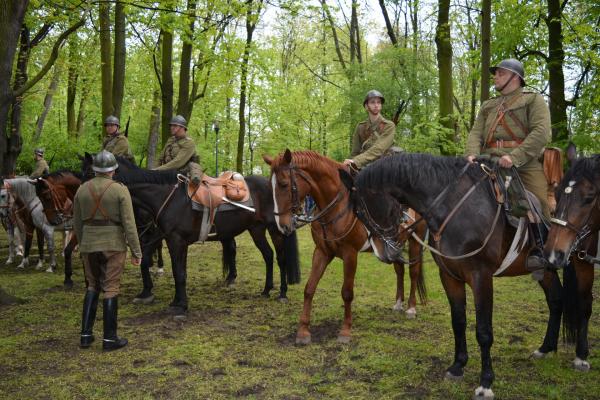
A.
pixel 500 112
pixel 98 205
pixel 498 144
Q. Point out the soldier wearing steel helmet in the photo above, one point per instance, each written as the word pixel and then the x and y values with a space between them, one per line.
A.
pixel 41 166
pixel 374 137
pixel 114 141
pixel 179 152
pixel 104 224
pixel 515 126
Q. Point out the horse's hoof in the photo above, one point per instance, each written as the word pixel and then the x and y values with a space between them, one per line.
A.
pixel 581 365
pixel 68 285
pixel 483 393
pixel 411 313
pixel 180 317
pixel 538 355
pixel 9 261
pixel 144 300
pixel 283 300
pixel 303 340
pixel 20 266
pixel 51 268
pixel 343 339
pixel 451 377
pixel 398 306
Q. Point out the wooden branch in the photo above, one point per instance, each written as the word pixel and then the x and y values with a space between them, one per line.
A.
pixel 53 56
pixel 335 37
pixel 317 75
pixel 40 35
pixel 524 53
pixel 573 101
pixel 388 23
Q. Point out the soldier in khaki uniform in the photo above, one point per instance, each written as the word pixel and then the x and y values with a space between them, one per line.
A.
pixel 516 126
pixel 41 166
pixel 374 137
pixel 104 224
pixel 114 141
pixel 180 151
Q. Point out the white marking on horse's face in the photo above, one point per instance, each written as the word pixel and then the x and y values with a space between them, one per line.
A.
pixel 552 257
pixel 275 207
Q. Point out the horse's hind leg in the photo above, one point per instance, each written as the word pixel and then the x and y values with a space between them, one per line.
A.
pixel 455 291
pixel 49 233
pixel 28 241
pixel 348 296
pixel 417 281
pixel 585 282
pixel 260 241
pixel 399 269
pixel 146 296
pixel 483 292
pixel 40 242
pixel 554 299
pixel 68 251
pixel 229 255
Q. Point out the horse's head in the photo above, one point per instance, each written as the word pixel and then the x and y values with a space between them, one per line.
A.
pixel 381 214
pixel 87 161
pixel 577 211
pixel 290 186
pixel 55 200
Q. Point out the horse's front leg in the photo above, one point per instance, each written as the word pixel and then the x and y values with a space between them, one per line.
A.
pixel 229 254
pixel 68 282
pixel 455 291
pixel 348 294
pixel 483 294
pixel 399 269
pixel 319 262
pixel 553 292
pixel 260 241
pixel 146 296
pixel 584 282
pixel 49 235
pixel 41 234
pixel 28 241
pixel 178 250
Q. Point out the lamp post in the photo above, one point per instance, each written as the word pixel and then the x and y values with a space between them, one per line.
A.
pixel 215 126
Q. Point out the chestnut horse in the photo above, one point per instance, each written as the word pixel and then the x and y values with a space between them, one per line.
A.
pixel 469 243
pixel 335 230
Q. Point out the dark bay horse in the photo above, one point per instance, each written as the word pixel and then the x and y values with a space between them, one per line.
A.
pixel 469 241
pixel 574 232
pixel 335 229
pixel 163 210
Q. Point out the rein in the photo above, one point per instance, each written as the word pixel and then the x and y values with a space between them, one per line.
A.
pixel 63 211
pixel 154 221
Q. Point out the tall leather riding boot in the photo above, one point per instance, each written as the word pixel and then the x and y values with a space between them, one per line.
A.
pixel 90 305
pixel 111 340
pixel 535 259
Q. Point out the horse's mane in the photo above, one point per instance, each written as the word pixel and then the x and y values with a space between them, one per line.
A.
pixel 308 159
pixel 62 172
pixel 413 169
pixel 22 188
pixel 588 168
pixel 129 173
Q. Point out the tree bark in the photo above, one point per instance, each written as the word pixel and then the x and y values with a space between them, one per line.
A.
pixel 183 100
pixel 556 78
pixel 486 22
pixel 444 60
pixel 336 41
pixel 118 78
pixel 85 91
pixel 47 104
pixel 388 23
pixel 105 59
pixel 72 78
pixel 154 131
pixel 167 83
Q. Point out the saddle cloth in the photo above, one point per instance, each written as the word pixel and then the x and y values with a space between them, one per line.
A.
pixel 215 194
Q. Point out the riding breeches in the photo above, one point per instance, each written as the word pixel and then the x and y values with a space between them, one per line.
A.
pixel 535 181
pixel 103 270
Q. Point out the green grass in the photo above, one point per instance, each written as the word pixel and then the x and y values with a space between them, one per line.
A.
pixel 236 344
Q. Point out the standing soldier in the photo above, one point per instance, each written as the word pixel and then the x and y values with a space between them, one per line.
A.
pixel 374 137
pixel 104 224
pixel 180 151
pixel 114 141
pixel 515 127
pixel 41 166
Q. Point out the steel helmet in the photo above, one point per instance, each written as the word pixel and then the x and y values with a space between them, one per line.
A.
pixel 178 120
pixel 374 93
pixel 112 120
pixel 511 65
pixel 39 151
pixel 104 161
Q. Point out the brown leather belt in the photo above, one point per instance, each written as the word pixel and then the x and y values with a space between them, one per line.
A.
pixel 100 222
pixel 498 144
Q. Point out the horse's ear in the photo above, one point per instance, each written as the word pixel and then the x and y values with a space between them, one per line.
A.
pixel 268 159
pixel 287 156
pixel 571 152
pixel 346 179
pixel 88 157
pixel 32 181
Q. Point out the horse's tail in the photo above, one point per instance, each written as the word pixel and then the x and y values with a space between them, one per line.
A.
pixel 292 258
pixel 570 304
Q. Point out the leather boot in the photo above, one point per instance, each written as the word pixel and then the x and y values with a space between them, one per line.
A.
pixel 90 305
pixel 111 340
pixel 535 259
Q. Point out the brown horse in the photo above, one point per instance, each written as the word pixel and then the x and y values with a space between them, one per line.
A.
pixel 335 230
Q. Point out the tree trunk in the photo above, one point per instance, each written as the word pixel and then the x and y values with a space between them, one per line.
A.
pixel 251 21
pixel 336 41
pixel 486 21
pixel 154 131
pixel 556 78
pixel 12 13
pixel 73 76
pixel 167 83
pixel 388 23
pixel 444 60
pixel 47 104
pixel 105 59
pixel 85 91
pixel 183 100
pixel 118 78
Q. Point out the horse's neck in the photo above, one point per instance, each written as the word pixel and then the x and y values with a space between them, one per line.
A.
pixel 324 186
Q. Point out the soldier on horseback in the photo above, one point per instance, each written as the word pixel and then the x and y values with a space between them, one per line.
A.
pixel 515 127
pixel 41 166
pixel 115 142
pixel 180 151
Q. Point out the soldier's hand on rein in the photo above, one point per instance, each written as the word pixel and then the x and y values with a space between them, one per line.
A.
pixel 348 162
pixel 470 159
pixel 136 261
pixel 505 161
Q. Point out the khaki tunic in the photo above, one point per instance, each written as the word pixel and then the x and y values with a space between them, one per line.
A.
pixel 371 140
pixel 96 233
pixel 177 154
pixel 118 145
pixel 41 168
pixel 532 113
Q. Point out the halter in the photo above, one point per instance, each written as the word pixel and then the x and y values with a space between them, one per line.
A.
pixel 580 233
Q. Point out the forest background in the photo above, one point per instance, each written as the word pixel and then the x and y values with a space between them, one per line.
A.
pixel 256 76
